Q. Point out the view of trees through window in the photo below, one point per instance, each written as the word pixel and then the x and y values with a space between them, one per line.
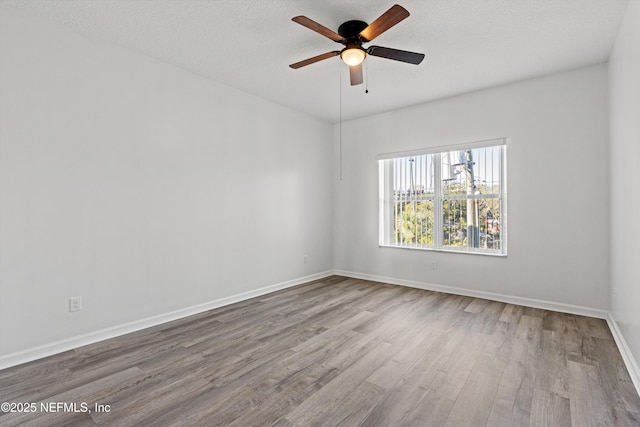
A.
pixel 449 200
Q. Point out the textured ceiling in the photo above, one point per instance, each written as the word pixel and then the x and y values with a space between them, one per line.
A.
pixel 248 44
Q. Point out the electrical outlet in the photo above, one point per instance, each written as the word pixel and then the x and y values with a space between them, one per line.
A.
pixel 306 259
pixel 434 265
pixel 75 303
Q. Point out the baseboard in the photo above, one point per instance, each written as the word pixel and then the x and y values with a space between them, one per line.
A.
pixel 625 351
pixel 528 302
pixel 39 352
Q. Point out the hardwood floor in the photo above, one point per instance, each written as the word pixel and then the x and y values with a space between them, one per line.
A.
pixel 340 351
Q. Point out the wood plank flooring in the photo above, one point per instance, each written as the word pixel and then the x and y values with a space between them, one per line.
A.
pixel 340 351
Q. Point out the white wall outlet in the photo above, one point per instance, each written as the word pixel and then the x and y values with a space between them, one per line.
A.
pixel 306 259
pixel 75 303
pixel 434 265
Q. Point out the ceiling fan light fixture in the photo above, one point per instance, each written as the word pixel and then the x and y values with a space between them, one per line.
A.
pixel 353 55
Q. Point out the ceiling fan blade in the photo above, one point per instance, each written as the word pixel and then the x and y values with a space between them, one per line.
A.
pixel 320 29
pixel 396 54
pixel 310 61
pixel 387 20
pixel 355 74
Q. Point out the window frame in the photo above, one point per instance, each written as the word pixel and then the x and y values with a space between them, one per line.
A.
pixel 387 198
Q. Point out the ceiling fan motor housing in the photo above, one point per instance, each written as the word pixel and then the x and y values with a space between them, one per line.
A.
pixel 350 30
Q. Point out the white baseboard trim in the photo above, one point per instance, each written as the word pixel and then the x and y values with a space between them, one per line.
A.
pixel 50 349
pixel 528 302
pixel 625 351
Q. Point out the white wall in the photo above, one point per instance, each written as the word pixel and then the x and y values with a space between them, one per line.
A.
pixel 142 188
pixel 558 182
pixel 624 80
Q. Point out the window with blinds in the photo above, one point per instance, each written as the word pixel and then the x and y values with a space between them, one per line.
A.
pixel 453 199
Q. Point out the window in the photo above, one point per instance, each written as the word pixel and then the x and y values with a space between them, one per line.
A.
pixel 453 200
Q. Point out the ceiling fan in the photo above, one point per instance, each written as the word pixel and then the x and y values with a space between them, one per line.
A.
pixel 353 34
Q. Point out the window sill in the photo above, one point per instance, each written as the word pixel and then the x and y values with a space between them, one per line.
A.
pixel 415 248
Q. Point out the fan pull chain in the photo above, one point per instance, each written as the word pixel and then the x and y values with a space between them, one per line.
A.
pixel 366 78
pixel 340 159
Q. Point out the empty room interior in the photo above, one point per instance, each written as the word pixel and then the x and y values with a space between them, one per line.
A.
pixel 300 213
